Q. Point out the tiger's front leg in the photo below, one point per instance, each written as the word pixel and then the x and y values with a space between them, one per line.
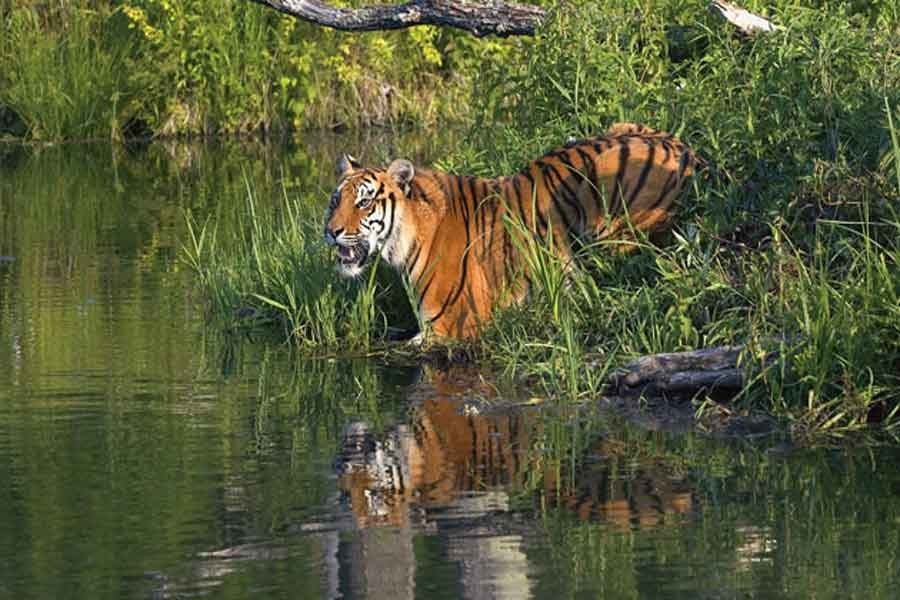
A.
pixel 460 307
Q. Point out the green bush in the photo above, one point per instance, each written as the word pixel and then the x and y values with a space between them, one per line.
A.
pixel 95 69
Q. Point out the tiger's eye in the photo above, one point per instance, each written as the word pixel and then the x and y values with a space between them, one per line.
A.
pixel 365 201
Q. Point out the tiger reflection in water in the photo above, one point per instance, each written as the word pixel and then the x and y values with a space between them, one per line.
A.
pixel 456 454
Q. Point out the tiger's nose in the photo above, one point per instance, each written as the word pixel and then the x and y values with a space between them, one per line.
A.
pixel 331 235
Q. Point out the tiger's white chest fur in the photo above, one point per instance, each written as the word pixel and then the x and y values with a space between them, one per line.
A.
pixel 396 247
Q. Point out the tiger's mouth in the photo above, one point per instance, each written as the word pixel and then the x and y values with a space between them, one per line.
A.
pixel 352 258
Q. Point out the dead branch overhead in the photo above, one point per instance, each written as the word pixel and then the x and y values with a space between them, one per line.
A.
pixel 488 18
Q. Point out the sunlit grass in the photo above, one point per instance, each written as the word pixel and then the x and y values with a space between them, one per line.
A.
pixel 68 84
pixel 276 274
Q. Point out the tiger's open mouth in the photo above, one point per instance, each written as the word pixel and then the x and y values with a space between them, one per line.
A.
pixel 353 256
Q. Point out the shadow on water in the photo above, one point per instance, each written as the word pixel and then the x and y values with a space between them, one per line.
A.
pixel 142 456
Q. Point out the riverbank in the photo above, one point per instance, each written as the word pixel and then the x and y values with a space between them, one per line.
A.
pixel 787 246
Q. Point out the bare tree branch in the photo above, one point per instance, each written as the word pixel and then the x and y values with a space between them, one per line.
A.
pixel 488 18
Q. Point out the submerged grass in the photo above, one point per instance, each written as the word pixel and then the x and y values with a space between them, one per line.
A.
pixel 790 245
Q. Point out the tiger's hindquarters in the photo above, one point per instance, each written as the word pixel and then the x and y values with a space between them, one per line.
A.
pixel 651 171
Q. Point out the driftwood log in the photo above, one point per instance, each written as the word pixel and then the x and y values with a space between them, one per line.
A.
pixel 483 18
pixel 491 17
pixel 714 370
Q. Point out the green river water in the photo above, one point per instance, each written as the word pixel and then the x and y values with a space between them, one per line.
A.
pixel 144 455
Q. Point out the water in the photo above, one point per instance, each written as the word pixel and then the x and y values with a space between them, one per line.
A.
pixel 144 455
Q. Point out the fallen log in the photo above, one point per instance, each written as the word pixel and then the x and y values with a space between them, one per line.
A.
pixel 490 17
pixel 482 18
pixel 712 370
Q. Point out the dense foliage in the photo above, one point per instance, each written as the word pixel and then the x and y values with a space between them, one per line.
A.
pixel 112 68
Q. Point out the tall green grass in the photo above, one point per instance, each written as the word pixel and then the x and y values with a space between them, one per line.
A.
pixel 276 273
pixel 64 83
pixel 104 68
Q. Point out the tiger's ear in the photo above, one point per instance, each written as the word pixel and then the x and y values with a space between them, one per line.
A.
pixel 346 164
pixel 402 171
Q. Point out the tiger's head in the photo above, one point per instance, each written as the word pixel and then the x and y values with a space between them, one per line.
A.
pixel 365 211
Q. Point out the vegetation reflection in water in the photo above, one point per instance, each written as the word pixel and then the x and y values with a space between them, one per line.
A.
pixel 446 489
pixel 112 433
pixel 143 456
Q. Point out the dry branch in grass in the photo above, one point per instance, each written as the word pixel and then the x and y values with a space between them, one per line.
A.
pixel 747 22
pixel 492 17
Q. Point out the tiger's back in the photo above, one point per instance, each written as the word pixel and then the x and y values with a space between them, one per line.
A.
pixel 610 186
pixel 604 188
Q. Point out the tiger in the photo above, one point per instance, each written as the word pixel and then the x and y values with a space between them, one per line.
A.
pixel 451 235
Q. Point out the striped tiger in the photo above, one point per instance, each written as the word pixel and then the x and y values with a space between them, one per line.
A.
pixel 449 234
